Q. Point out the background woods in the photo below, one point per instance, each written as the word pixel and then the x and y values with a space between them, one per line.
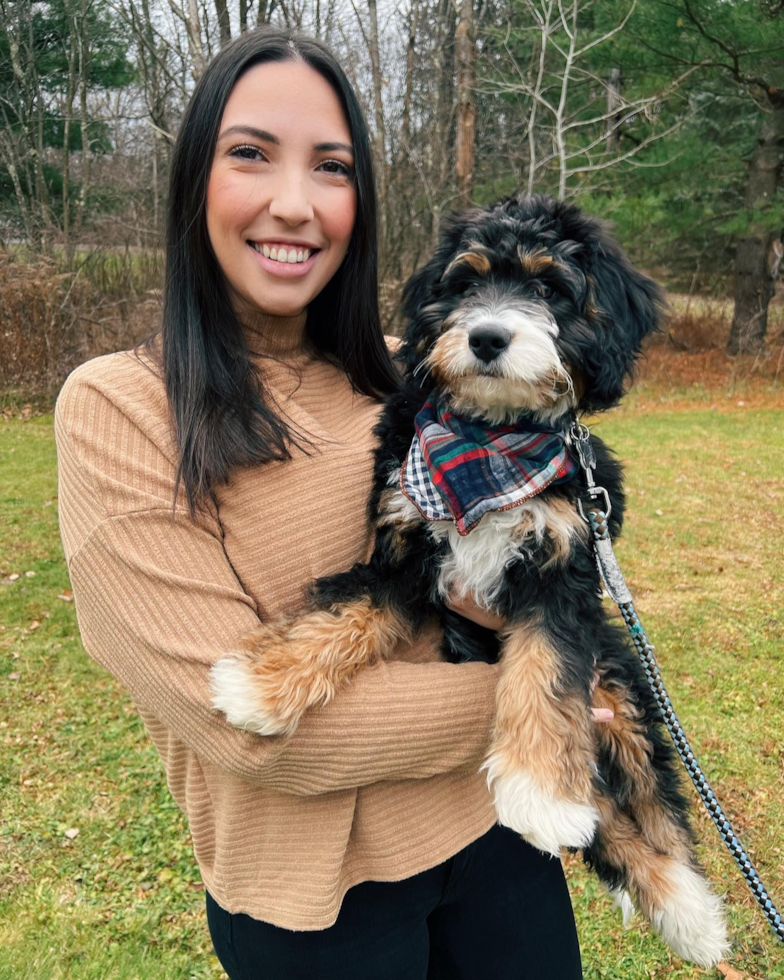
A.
pixel 665 116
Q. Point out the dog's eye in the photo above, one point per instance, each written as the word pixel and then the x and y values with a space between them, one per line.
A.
pixel 542 289
pixel 461 286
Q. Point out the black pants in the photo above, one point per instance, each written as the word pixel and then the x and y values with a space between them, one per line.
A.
pixel 498 910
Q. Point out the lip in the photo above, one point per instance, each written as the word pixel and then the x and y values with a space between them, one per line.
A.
pixel 296 242
pixel 284 270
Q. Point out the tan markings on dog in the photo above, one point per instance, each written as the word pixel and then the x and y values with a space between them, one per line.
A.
pixel 624 738
pixel 537 260
pixel 557 520
pixel 445 355
pixel 649 871
pixel 394 508
pixel 593 312
pixel 303 662
pixel 478 262
pixel 578 382
pixel 538 727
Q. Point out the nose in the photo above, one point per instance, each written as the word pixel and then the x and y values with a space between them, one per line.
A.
pixel 488 342
pixel 290 201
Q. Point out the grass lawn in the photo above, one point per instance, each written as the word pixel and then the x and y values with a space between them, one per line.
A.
pixel 97 876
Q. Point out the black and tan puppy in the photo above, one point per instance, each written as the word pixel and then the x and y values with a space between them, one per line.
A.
pixel 527 313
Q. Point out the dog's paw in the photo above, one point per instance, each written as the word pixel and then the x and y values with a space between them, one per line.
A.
pixel 543 820
pixel 623 901
pixel 238 691
pixel 690 917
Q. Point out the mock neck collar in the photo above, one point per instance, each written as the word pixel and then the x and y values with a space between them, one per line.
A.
pixel 274 336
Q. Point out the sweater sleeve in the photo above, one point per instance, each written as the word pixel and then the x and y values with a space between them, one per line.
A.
pixel 158 602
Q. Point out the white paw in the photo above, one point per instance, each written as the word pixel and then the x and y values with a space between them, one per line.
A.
pixel 623 901
pixel 691 920
pixel 235 693
pixel 543 820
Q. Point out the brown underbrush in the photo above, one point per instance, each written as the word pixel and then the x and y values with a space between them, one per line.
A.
pixel 54 317
pixel 698 323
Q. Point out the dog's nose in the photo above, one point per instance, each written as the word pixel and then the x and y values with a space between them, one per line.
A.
pixel 488 342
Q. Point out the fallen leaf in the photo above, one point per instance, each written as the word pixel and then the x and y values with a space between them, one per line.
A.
pixel 33 626
pixel 14 677
pixel 30 574
pixel 729 973
pixel 73 832
pixel 14 577
pixel 66 595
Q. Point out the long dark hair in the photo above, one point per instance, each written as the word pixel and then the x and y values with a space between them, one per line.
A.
pixel 220 414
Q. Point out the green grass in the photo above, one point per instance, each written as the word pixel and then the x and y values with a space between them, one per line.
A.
pixel 702 553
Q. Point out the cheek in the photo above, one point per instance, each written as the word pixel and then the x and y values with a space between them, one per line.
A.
pixel 227 203
pixel 339 223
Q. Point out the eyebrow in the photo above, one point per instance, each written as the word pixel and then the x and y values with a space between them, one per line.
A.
pixel 262 134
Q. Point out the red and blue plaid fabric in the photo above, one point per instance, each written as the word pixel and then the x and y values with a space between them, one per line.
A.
pixel 458 469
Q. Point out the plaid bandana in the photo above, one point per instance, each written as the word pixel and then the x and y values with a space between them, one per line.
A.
pixel 459 469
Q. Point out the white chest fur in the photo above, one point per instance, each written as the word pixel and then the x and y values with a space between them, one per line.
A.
pixel 474 564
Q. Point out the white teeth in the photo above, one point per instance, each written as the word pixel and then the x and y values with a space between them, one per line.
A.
pixel 282 254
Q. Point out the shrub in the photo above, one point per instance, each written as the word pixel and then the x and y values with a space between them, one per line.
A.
pixel 53 318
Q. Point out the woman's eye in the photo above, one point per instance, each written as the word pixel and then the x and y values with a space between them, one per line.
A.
pixel 343 168
pixel 246 152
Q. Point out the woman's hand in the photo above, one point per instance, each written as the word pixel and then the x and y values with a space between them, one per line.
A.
pixel 478 614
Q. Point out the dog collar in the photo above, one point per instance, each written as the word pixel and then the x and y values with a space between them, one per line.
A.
pixel 458 469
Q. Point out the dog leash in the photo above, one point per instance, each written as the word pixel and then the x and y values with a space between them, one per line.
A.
pixel 579 437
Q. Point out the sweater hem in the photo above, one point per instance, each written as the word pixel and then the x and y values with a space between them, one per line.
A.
pixel 316 923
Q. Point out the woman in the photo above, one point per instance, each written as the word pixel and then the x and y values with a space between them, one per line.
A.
pixel 365 844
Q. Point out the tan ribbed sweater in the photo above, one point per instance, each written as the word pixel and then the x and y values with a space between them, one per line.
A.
pixel 381 783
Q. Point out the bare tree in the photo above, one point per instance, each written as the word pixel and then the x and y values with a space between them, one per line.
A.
pixel 382 175
pixel 564 129
pixel 466 112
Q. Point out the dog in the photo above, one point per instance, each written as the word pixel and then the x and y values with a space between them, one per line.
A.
pixel 527 314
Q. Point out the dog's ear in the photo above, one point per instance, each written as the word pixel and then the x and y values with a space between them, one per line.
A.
pixel 622 306
pixel 423 293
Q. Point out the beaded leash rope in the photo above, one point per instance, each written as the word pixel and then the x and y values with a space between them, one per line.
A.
pixel 579 437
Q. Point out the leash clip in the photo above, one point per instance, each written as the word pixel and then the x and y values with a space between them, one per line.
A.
pixel 593 493
pixel 579 437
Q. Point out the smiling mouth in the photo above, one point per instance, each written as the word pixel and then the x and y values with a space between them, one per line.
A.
pixel 292 255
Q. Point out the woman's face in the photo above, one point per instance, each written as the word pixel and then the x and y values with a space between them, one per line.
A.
pixel 281 183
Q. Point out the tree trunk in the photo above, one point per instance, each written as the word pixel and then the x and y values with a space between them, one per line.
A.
pixel 87 153
pixel 264 11
pixel 67 118
pixel 465 55
pixel 380 140
pixel 224 26
pixel 442 142
pixel 753 283
pixel 613 102
pixel 193 26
